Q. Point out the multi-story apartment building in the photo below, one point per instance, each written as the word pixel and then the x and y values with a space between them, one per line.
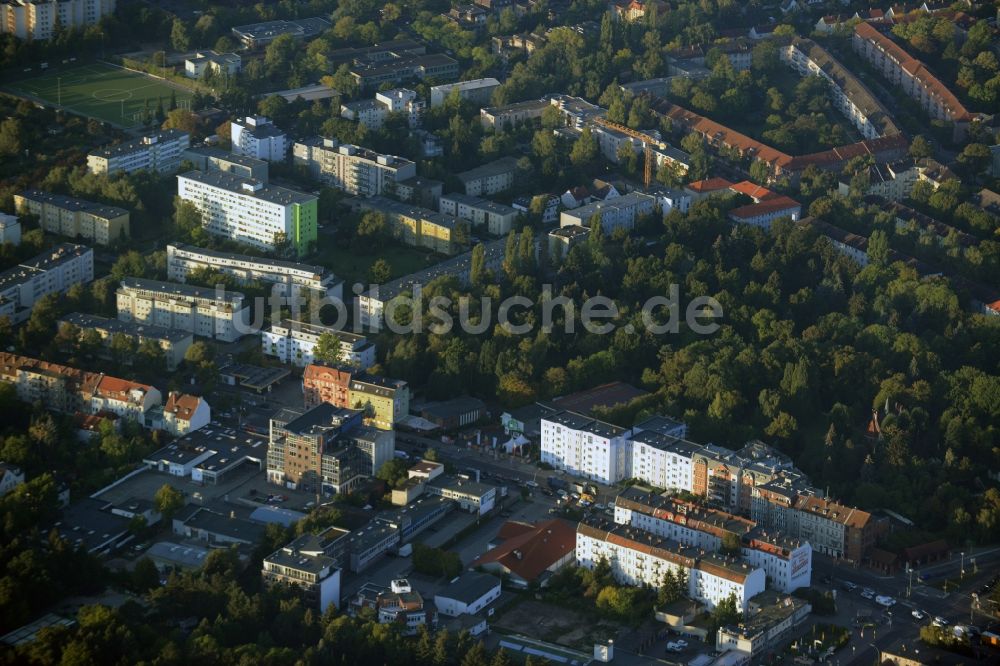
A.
pixel 305 564
pixel 290 278
pixel 10 229
pixel 160 152
pixel 501 118
pixel 247 211
pixel 787 562
pixel 216 314
pixel 51 272
pixel 210 61
pixel 76 218
pixel 418 226
pixel 496 218
pixel 325 448
pixel 69 390
pixel 490 178
pixel 373 73
pixel 384 401
pixel 835 529
pixel 351 168
pixel 767 211
pixel 373 304
pixel 174 343
pixel 32 20
pixel 583 446
pixel 210 158
pixel 902 69
pixel 258 137
pixel 638 557
pixel 372 113
pixel 476 91
pixel 620 212
pixel 294 342
pixel 851 97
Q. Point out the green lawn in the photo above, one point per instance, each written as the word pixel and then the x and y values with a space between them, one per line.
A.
pixel 352 266
pixel 102 91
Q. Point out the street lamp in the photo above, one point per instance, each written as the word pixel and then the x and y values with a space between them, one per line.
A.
pixel 962 570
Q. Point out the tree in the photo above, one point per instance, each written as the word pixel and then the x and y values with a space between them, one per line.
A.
pixel 975 157
pixel 585 149
pixel 380 271
pixel 878 247
pixel 328 348
pixel 920 147
pixel 179 38
pixel 731 544
pixel 181 119
pixel 477 267
pixel 168 501
pixel 11 134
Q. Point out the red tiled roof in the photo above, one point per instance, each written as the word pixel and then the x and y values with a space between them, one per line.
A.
pixel 119 389
pixel 531 552
pixel 916 69
pixel 838 513
pixel 756 192
pixel 709 185
pixel 181 405
pixel 770 206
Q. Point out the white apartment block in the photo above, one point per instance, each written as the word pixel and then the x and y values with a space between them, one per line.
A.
pixel 497 219
pixel 351 168
pixel 490 178
pixel 10 229
pixel 160 152
pixel 372 113
pixel 638 557
pixel 585 447
pixel 51 272
pixel 294 342
pixel 620 212
pixel 38 19
pixel 288 276
pixel 477 91
pixel 661 456
pixel 219 315
pixel 210 61
pixel 258 137
pixel 75 218
pixel 849 95
pixel 247 211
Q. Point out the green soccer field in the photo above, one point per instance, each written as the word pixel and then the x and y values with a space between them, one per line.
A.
pixel 104 92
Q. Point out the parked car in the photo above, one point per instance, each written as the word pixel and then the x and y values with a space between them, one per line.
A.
pixel 884 600
pixel 849 586
pixel 562 493
pixel 918 615
pixel 531 484
pixel 599 507
pixel 868 593
pixel 940 621
pixel 680 641
pixel 674 647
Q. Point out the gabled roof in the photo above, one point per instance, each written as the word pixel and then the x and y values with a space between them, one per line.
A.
pixel 181 405
pixel 532 551
pixel 709 185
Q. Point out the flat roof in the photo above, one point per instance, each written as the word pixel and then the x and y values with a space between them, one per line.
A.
pixel 112 326
pixel 228 526
pixel 582 422
pixel 42 262
pixel 182 555
pixel 249 187
pixel 226 156
pixel 271 29
pixel 477 202
pixel 234 257
pixel 469 587
pixel 182 290
pixel 141 143
pixel 321 418
pixel 495 168
pixel 74 204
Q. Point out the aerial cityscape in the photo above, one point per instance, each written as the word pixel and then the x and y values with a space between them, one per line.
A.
pixel 499 332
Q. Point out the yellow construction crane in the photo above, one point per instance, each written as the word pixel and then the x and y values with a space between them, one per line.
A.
pixel 647 142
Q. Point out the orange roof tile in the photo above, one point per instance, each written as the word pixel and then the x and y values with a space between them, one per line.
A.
pixel 530 553
pixel 709 185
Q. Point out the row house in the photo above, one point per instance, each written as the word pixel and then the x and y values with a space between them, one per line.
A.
pixel 69 390
pixel 902 69
pixel 384 401
pixel 787 562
